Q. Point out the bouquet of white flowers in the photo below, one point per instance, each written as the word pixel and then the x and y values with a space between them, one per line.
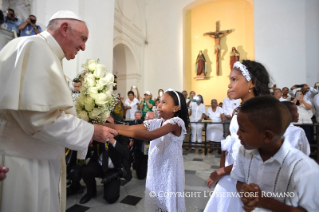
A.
pixel 96 100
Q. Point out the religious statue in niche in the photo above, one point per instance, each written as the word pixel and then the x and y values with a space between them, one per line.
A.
pixel 200 65
pixel 234 57
pixel 217 36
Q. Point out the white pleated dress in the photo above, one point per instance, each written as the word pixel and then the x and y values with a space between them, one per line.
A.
pixel 217 201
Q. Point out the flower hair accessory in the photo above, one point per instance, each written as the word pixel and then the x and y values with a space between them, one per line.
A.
pixel 243 70
pixel 179 100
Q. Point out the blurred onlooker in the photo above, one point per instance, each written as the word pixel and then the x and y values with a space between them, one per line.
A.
pixel 137 96
pixel 118 111
pixel 305 113
pixel 159 94
pixel 285 94
pixel 229 106
pixel 76 87
pixel 137 116
pixel 131 105
pixel 141 152
pixel 11 22
pixel 184 92
pixel 220 104
pixel 157 101
pixel 197 114
pixel 214 132
pixel 191 98
pixel 316 106
pixel 146 104
pixel 278 94
pixel 29 27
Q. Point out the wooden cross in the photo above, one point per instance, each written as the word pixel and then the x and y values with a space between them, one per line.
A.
pixel 217 36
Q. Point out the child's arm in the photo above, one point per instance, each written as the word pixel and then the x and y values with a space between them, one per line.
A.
pixel 222 159
pixel 218 174
pixel 117 127
pixel 151 135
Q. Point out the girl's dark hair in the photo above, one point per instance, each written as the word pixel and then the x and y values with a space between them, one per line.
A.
pixel 130 92
pixel 183 112
pixel 259 76
pixel 201 98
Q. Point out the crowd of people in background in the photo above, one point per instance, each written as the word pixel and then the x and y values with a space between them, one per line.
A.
pixel 11 22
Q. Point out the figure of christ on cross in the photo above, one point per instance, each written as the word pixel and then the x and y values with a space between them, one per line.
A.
pixel 217 36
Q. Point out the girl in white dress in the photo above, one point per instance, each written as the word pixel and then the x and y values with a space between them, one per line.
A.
pixel 247 80
pixel 165 176
pixel 216 114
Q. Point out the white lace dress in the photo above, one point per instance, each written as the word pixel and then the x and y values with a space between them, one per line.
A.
pixel 165 174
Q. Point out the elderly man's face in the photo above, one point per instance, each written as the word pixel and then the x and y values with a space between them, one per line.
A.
pixel 149 116
pixel 138 116
pixel 77 36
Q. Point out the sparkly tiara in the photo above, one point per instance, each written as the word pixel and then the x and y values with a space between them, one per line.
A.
pixel 243 70
pixel 179 100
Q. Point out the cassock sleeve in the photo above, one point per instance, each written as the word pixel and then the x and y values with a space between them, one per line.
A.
pixel 56 127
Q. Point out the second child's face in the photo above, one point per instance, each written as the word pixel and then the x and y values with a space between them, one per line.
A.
pixel 238 86
pixel 166 107
pixel 294 114
pixel 248 134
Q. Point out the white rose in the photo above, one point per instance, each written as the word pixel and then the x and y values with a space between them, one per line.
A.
pixel 90 80
pixel 108 94
pixel 109 78
pixel 80 99
pixel 89 104
pixel 83 115
pixel 105 115
pixel 90 64
pixel 78 106
pixel 94 113
pixel 99 87
pixel 101 99
pixel 93 91
pixel 100 71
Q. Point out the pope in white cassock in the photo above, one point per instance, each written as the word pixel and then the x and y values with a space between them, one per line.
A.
pixel 37 116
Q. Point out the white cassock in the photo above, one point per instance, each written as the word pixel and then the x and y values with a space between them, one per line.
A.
pixel 37 121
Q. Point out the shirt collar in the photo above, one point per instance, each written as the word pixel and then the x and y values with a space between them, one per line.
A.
pixel 56 48
pixel 279 156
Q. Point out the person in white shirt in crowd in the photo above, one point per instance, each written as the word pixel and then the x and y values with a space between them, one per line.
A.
pixel 159 94
pixel 305 113
pixel 197 114
pixel 229 106
pixel 296 135
pixel 309 92
pixel 214 132
pixel 278 94
pixel 280 177
pixel 285 94
pixel 131 105
pixel 191 98
pixel 76 87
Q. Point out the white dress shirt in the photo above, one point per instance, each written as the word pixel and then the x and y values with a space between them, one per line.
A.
pixel 289 170
pixel 297 138
pixel 197 111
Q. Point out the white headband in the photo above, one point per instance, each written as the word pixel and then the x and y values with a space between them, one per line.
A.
pixel 243 70
pixel 179 100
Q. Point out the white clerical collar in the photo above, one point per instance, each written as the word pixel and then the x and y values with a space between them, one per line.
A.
pixel 56 48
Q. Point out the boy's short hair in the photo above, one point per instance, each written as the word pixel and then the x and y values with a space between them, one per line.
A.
pixel 267 113
pixel 289 105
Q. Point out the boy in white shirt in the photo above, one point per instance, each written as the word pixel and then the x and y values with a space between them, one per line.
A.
pixel 272 175
pixel 296 135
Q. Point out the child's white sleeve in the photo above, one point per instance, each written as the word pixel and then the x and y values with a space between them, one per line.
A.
pixel 303 143
pixel 238 172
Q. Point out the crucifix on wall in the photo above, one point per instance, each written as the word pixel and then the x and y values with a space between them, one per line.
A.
pixel 217 36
